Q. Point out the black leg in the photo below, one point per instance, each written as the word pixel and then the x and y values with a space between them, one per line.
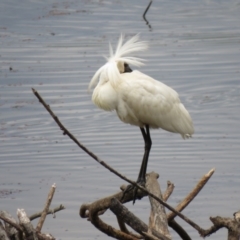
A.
pixel 142 173
pixel 148 144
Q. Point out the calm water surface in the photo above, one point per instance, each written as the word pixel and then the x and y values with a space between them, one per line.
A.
pixel 56 47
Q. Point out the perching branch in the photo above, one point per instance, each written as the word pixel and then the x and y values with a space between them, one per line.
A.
pixel 92 212
pixel 120 210
pixel 65 131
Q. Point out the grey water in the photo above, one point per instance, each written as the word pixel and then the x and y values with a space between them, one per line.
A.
pixel 56 47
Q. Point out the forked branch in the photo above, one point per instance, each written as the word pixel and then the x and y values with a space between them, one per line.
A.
pixel 65 131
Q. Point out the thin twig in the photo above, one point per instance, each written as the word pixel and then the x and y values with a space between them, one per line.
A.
pixel 192 194
pixel 46 208
pixel 145 12
pixel 19 228
pixel 65 131
pixel 50 211
pixel 25 222
pixel 169 190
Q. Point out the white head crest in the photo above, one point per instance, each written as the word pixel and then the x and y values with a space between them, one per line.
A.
pixel 122 54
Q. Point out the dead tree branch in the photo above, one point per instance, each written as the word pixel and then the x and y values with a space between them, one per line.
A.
pixel 192 194
pixel 23 229
pixel 169 190
pixel 134 222
pixel 158 219
pixel 93 210
pixel 46 208
pixel 65 131
pixel 5 217
pixel 25 222
pixel 145 12
pixel 50 211
pixel 231 224
pixel 3 234
pixel 179 230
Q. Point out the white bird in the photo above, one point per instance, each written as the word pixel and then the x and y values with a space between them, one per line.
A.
pixel 137 98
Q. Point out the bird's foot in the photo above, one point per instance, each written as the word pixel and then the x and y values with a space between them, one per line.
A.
pixel 132 188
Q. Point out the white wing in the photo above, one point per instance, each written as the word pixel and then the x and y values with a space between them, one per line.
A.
pixel 143 100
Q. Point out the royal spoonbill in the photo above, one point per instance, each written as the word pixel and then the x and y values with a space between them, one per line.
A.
pixel 137 98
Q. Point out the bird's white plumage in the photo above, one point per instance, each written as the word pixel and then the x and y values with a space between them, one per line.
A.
pixel 111 68
pixel 137 98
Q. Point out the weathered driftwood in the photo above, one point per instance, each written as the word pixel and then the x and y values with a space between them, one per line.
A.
pixel 184 203
pixel 50 211
pixel 25 222
pixel 92 211
pixel 134 222
pixel 169 190
pixel 96 158
pixel 192 194
pixel 179 230
pixel 99 207
pixel 3 233
pixel 46 208
pixel 231 224
pixel 23 229
pixel 158 219
pixel 12 232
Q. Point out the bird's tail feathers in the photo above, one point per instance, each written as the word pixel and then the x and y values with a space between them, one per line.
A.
pixel 122 54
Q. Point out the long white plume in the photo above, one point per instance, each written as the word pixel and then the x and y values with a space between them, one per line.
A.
pixel 123 53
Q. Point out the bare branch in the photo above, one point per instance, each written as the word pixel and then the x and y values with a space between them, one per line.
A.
pixel 134 222
pixel 93 210
pixel 124 229
pixel 65 131
pixel 7 220
pixel 50 211
pixel 149 236
pixel 3 233
pixel 27 225
pixel 231 224
pixel 46 208
pixel 179 230
pixel 145 12
pixel 169 190
pixel 12 232
pixel 192 194
pixel 158 219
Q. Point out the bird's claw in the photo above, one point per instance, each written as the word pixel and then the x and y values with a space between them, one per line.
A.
pixel 134 189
